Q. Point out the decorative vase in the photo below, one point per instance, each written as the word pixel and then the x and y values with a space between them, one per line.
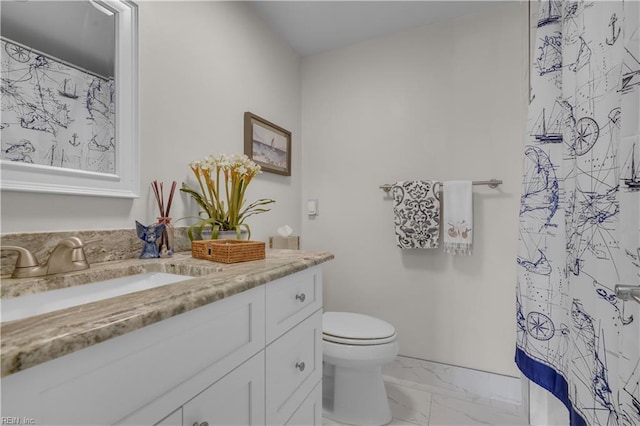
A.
pixel 166 246
pixel 222 235
pixel 232 235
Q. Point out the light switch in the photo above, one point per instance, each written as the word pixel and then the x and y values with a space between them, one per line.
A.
pixel 312 207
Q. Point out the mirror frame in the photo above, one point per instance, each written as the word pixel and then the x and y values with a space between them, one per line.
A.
pixel 125 183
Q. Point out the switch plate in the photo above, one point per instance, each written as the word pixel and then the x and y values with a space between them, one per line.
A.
pixel 312 207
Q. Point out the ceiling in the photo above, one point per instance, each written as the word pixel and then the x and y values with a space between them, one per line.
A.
pixel 311 27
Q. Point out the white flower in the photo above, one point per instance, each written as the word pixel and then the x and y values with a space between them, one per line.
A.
pixel 216 188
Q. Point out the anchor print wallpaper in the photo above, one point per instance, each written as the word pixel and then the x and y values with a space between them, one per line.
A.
pixel 54 114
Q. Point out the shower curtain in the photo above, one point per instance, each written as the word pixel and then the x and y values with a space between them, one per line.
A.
pixel 580 211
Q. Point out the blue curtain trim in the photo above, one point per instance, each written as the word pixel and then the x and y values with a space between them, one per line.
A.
pixel 550 380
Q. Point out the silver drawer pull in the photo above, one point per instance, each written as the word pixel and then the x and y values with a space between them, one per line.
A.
pixel 301 297
pixel 300 366
pixel 201 424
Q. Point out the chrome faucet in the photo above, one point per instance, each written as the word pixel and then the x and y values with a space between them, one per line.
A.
pixel 67 256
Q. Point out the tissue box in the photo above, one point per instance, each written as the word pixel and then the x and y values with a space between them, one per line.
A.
pixel 278 242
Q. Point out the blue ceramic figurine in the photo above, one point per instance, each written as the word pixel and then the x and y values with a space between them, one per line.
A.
pixel 149 234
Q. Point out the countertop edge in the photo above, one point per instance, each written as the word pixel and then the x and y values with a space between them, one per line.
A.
pixel 27 343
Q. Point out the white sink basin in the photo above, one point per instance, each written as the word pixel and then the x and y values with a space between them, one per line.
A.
pixel 53 300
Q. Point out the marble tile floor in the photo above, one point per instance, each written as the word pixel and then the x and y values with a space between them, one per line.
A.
pixel 422 404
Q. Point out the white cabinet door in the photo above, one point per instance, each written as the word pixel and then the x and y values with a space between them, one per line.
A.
pixel 236 399
pixel 227 333
pixel 173 419
pixel 294 367
pixel 310 412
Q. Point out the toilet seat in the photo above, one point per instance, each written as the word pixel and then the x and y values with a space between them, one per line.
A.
pixel 347 328
pixel 357 342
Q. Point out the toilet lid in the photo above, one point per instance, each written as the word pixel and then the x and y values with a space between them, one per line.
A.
pixel 350 328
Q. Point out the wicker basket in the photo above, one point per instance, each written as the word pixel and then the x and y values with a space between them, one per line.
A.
pixel 228 251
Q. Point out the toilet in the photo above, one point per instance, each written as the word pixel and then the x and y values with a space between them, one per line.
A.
pixel 354 349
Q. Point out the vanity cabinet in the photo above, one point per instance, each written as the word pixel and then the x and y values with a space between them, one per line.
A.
pixel 294 343
pixel 249 359
pixel 172 419
pixel 236 399
pixel 310 412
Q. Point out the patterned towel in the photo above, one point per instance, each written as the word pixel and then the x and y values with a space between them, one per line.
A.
pixel 416 214
pixel 458 216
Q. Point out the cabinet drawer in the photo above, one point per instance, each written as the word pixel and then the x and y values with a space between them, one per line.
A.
pixel 310 412
pixel 236 399
pixel 291 299
pixel 295 368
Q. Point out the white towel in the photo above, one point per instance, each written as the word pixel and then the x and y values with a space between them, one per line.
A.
pixel 458 217
pixel 416 212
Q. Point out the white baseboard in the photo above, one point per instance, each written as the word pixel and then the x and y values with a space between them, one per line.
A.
pixel 426 374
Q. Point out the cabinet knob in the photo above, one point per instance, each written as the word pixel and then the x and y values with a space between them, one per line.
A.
pixel 301 297
pixel 300 366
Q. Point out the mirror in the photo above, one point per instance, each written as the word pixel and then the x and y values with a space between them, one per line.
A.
pixel 69 97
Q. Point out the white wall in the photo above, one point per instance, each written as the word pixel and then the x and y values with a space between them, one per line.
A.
pixel 445 101
pixel 202 65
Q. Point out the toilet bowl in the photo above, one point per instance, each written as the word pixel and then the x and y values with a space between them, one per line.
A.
pixel 354 349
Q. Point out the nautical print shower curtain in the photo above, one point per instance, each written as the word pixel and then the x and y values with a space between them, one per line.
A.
pixel 580 211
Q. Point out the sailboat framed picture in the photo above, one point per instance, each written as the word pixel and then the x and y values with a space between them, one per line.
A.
pixel 268 144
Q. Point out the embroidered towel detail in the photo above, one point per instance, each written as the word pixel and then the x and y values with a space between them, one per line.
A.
pixel 458 217
pixel 416 212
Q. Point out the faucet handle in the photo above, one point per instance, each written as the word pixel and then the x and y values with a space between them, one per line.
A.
pixel 75 242
pixel 71 242
pixel 78 254
pixel 25 258
pixel 67 256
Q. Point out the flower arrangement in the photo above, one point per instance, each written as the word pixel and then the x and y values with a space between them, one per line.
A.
pixel 223 181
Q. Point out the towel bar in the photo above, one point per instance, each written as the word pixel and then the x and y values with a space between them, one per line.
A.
pixel 492 183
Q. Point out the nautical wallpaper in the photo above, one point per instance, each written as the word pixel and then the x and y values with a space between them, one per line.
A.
pixel 55 114
pixel 580 212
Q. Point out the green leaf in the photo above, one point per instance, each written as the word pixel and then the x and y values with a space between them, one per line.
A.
pixel 245 226
pixel 197 198
pixel 252 208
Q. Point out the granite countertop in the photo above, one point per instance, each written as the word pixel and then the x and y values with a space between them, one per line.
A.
pixel 34 340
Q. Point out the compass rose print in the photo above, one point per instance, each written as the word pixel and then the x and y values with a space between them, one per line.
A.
pixel 18 53
pixel 587 132
pixel 540 326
